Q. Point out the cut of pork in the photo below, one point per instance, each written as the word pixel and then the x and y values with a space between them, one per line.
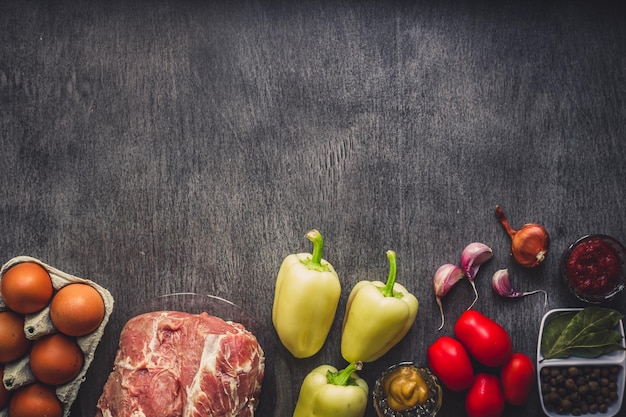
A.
pixel 175 364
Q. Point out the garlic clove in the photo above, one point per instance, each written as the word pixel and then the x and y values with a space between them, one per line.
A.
pixel 445 278
pixel 501 284
pixel 473 256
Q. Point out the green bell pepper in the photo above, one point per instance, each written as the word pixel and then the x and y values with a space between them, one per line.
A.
pixel 377 317
pixel 326 392
pixel 305 300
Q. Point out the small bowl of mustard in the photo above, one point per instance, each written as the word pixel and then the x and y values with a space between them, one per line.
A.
pixel 407 390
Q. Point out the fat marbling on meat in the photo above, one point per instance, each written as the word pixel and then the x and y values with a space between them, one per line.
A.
pixel 175 364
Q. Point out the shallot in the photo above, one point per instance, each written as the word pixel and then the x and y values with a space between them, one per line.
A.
pixel 446 276
pixel 501 284
pixel 529 244
pixel 473 256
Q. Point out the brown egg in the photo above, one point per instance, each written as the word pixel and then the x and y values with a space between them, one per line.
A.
pixel 56 359
pixel 26 287
pixel 13 341
pixel 77 309
pixel 35 400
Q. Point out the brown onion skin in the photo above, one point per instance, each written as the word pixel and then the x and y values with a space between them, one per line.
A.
pixel 529 244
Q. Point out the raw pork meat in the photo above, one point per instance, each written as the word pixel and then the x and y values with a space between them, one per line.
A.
pixel 174 364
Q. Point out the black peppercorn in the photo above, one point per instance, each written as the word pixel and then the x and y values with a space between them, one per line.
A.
pixel 554 398
pixel 579 390
pixel 572 371
pixel 566 404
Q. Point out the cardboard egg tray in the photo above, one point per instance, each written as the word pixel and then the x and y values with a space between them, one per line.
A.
pixel 37 325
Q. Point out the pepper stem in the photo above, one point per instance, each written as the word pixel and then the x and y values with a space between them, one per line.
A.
pixel 315 261
pixel 343 377
pixel 504 222
pixel 391 279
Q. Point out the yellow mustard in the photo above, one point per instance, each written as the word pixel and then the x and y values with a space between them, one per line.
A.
pixel 405 388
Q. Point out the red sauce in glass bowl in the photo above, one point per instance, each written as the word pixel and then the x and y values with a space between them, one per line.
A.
pixel 594 268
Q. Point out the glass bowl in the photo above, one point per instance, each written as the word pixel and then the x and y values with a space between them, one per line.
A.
pixel 428 409
pixel 277 393
pixel 594 268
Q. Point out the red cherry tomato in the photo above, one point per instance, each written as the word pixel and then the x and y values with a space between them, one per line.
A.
pixel 483 338
pixel 448 359
pixel 484 398
pixel 518 379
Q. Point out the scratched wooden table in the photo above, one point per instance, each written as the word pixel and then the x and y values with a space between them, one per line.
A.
pixel 163 147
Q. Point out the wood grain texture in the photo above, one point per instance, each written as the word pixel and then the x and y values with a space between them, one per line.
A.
pixel 160 147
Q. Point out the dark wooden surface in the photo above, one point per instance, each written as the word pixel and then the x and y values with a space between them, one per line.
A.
pixel 162 147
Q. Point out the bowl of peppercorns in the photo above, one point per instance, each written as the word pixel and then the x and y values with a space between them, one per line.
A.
pixel 579 390
pixel 573 379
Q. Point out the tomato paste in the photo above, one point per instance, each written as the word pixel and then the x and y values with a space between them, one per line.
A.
pixel 594 268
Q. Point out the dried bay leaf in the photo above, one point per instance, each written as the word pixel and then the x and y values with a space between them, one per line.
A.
pixel 590 319
pixel 588 333
pixel 590 345
pixel 594 353
pixel 553 329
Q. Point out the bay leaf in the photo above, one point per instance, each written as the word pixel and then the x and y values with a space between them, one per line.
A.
pixel 553 328
pixel 588 333
pixel 589 319
pixel 589 345
pixel 595 352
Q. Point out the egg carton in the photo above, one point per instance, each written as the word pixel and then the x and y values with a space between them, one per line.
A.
pixel 17 373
